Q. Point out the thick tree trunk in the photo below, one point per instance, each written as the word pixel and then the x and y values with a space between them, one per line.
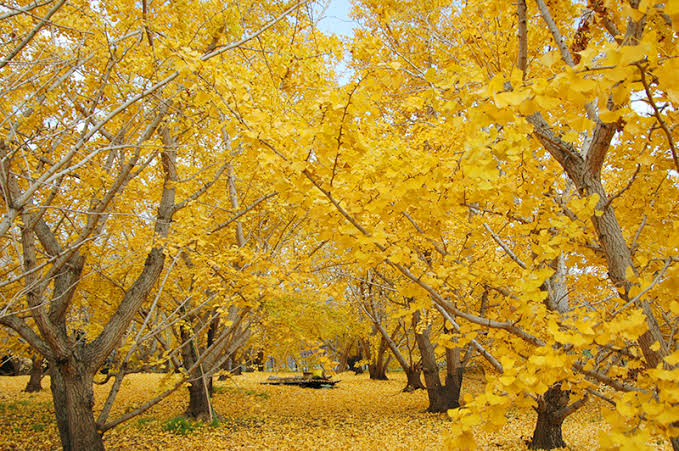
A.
pixel 352 360
pixel 378 365
pixel 73 402
pixel 441 397
pixel 454 372
pixel 199 400
pixel 551 405
pixel 199 407
pixel 35 381
pixel 377 372
pixel 414 377
pixel 344 359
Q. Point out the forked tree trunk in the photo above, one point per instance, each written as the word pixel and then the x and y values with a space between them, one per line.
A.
pixel 73 402
pixel 550 409
pixel 414 379
pixel 35 381
pixel 441 397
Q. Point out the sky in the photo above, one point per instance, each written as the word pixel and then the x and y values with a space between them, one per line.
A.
pixel 336 18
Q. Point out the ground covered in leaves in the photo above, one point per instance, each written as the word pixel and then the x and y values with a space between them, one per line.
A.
pixel 357 414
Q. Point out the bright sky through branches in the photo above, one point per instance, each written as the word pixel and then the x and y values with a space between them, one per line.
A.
pixel 336 18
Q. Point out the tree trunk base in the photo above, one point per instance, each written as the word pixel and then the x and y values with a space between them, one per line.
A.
pixel 548 434
pixel 33 387
pixel 414 381
pixel 377 373
pixel 199 401
pixel 379 377
pixel 73 402
pixel 441 401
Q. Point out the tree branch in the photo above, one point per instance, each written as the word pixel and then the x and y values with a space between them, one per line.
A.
pixel 556 34
pixel 522 58
pixel 270 24
pixel 29 37
pixel 19 326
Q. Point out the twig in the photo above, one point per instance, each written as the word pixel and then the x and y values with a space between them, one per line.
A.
pixel 270 24
pixel 504 246
pixel 242 212
pixel 658 117
pixel 31 34
pixel 629 184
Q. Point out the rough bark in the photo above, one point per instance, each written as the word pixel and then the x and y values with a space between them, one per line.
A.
pixel 441 397
pixel 585 173
pixel 35 381
pixel 199 407
pixel 551 405
pixel 344 359
pixel 73 400
pixel 454 372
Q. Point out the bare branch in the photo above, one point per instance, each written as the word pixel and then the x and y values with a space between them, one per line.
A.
pixel 30 7
pixel 487 355
pixel 564 412
pixel 614 383
pixel 599 145
pixel 28 334
pixel 629 184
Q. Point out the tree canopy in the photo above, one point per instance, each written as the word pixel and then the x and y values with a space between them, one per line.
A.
pixel 184 181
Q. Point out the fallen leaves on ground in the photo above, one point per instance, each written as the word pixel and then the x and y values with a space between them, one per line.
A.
pixel 357 414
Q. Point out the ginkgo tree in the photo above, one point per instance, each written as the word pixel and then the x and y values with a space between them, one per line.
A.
pixel 512 169
pixel 102 148
pixel 506 144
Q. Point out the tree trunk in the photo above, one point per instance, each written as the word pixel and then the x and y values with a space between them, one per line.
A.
pixel 199 388
pixel 414 375
pixel 199 399
pixel 35 381
pixel 551 405
pixel 378 372
pixel 378 367
pixel 228 366
pixel 73 402
pixel 344 359
pixel 441 397
pixel 454 372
